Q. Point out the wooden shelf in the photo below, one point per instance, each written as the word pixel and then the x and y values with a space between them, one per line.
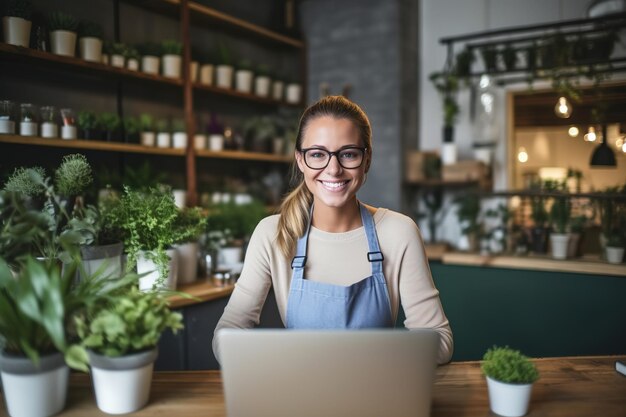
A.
pixel 244 155
pixel 244 96
pixel 202 290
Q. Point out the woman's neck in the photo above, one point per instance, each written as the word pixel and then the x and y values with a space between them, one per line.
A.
pixel 337 219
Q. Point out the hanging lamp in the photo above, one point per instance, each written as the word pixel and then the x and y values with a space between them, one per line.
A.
pixel 603 156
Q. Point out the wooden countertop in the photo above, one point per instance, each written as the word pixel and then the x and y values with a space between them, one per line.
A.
pixel 568 387
pixel 586 265
pixel 202 290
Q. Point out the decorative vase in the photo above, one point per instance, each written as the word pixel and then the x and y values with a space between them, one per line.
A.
pixel 16 31
pixel 509 400
pixel 63 42
pixel 572 246
pixel 90 49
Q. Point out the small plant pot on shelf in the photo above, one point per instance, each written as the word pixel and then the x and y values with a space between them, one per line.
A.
pixel 147 282
pixel 63 42
pixel 90 49
pixel 132 64
pixel 193 71
pixel 199 141
pixel 294 93
pixel 243 81
pixel 206 74
pixel 614 255
pixel 262 86
pixel 150 64
pixel 224 76
pixel 216 142
pixel 278 90
pixel 163 140
pixel 559 242
pixel 122 384
pixel 509 400
pixel 16 31
pixel 147 138
pixel 179 140
pixel 117 61
pixel 171 66
pixel 34 391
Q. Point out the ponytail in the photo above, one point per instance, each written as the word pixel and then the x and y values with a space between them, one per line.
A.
pixel 294 218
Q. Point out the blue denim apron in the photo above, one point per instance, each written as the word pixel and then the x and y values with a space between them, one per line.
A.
pixel 318 305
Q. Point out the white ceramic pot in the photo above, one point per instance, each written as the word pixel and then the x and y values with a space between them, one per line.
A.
pixel 163 140
pixel 614 255
pixel 49 130
pixel 147 282
pixel 509 400
pixel 16 31
pixel 294 93
pixel 193 71
pixel 187 262
pixel 148 138
pixel 278 89
pixel 229 256
pixel 122 384
pixel 63 42
pixel 150 64
pixel 206 74
pixel 90 49
pixel 180 197
pixel 132 64
pixel 448 153
pixel 243 81
pixel 28 128
pixel 117 61
pixel 31 391
pixel 278 146
pixel 179 140
pixel 559 243
pixel 7 127
pixel 262 85
pixel 105 261
pixel 171 66
pixel 199 141
pixel 216 142
pixel 105 59
pixel 224 76
pixel 69 132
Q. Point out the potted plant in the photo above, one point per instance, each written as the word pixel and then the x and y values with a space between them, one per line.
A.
pixel 243 77
pixel 259 133
pixel 447 84
pixel 207 68
pixel 112 126
pixel 150 57
pixel 510 376
pixel 171 51
pixel 16 22
pixel 90 41
pixel 120 336
pixel 132 126
pixel 615 247
pixel 148 220
pixel 117 54
pixel 147 135
pixel 464 61
pixel 62 28
pixel 188 226
pixel 293 92
pixel 278 89
pixel 179 134
pixel 224 69
pixel 89 125
pixel 468 212
pixel 163 136
pixel 559 218
pixel 132 58
pixel 262 82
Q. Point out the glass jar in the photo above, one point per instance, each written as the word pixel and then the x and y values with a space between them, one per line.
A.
pixel 49 127
pixel 28 119
pixel 68 127
pixel 7 118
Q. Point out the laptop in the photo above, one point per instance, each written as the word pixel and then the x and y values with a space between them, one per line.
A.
pixel 328 373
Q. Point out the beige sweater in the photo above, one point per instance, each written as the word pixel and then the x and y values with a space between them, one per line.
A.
pixel 341 259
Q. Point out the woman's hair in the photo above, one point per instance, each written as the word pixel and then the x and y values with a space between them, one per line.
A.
pixel 295 207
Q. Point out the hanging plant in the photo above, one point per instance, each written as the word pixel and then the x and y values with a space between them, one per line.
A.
pixel 509 57
pixel 490 58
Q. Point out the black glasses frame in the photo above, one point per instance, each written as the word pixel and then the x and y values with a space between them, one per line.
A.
pixel 303 151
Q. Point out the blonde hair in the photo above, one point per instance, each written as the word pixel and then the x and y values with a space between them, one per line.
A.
pixel 294 210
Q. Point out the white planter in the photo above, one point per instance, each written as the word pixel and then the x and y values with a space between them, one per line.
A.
pixel 262 85
pixel 63 42
pixel 34 392
pixel 28 128
pixel 49 130
pixel 163 140
pixel 171 66
pixel 187 262
pixel 199 141
pixel 216 143
pixel 448 153
pixel 193 71
pixel 559 243
pixel 180 197
pixel 7 127
pixel 69 132
pixel 117 61
pixel 179 140
pixel 294 93
pixel 147 282
pixel 614 255
pixel 122 384
pixel 105 59
pixel 509 400
pixel 224 76
pixel 16 31
pixel 90 49
pixel 105 260
pixel 243 81
pixel 229 256
pixel 206 74
pixel 278 89
pixel 132 64
pixel 150 64
pixel 148 138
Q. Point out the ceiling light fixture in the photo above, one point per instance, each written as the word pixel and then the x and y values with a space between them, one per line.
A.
pixel 562 108
pixel 522 155
pixel 591 136
pixel 573 131
pixel 603 156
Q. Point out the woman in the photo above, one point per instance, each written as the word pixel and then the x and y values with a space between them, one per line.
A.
pixel 316 253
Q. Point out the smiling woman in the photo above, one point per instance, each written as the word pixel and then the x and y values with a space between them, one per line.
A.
pixel 324 232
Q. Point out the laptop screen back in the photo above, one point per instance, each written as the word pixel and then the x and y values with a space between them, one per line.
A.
pixel 330 373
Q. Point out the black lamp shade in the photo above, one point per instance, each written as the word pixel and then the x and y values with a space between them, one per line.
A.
pixel 603 156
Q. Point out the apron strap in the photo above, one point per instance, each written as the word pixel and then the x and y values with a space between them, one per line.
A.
pixel 374 256
pixel 299 261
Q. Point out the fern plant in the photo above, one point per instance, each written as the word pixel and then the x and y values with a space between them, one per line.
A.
pixel 508 365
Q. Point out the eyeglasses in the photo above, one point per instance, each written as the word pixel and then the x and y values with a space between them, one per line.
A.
pixel 348 158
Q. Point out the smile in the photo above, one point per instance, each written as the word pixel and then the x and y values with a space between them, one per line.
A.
pixel 334 186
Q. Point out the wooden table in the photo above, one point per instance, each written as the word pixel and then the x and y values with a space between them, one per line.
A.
pixel 568 387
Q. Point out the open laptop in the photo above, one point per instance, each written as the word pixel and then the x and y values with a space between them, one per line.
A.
pixel 328 373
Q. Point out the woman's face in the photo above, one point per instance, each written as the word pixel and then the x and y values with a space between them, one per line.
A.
pixel 333 186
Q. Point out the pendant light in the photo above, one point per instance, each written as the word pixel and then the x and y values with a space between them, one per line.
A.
pixel 590 136
pixel 522 155
pixel 563 108
pixel 603 156
pixel 573 131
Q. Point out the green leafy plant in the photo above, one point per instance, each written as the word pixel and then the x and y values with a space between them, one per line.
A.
pixel 162 125
pixel 171 47
pixel 189 225
pixel 447 84
pixel 224 54
pixel 18 8
pixel 615 239
pixel 26 181
pixel 146 121
pixel 128 323
pixel 142 177
pixel 90 29
pixel 560 213
pixel 73 175
pixel 62 21
pixel 117 48
pixel 262 71
pixel 468 212
pixel 88 120
pixel 110 121
pixel 132 53
pixel 507 365
pixel 244 65
pixel 149 49
pixel 132 125
pixel 178 125
pixel 238 220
